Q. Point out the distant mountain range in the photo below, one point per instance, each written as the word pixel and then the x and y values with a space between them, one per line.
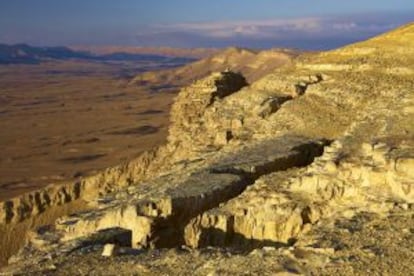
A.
pixel 197 53
pixel 26 54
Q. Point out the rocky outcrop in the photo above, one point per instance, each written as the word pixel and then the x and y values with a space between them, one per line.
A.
pixel 187 114
pixel 85 188
pixel 157 212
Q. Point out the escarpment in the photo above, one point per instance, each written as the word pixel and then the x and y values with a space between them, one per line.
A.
pixel 273 166
pixel 187 114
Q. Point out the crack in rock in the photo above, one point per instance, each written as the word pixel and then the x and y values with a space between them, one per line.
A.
pixel 158 213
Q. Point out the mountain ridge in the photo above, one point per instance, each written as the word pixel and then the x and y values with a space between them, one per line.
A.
pixel 252 63
pixel 26 54
pixel 196 53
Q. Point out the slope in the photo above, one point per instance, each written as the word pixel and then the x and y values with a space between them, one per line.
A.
pixel 252 64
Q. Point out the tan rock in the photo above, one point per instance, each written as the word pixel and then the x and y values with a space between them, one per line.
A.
pixel 110 250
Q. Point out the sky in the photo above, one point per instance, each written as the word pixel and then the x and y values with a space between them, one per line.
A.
pixel 306 24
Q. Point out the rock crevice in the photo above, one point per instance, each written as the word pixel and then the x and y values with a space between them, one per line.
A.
pixel 160 218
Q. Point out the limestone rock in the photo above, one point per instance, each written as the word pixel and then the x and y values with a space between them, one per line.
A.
pixel 187 114
pixel 110 250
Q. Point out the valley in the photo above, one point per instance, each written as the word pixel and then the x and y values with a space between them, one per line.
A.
pixel 62 119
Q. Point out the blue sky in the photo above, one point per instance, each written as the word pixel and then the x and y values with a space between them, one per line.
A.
pixel 213 23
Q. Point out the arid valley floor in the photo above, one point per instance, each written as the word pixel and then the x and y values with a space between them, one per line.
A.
pixel 60 120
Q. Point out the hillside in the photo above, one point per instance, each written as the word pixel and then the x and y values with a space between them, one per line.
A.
pixel 253 65
pixel 307 170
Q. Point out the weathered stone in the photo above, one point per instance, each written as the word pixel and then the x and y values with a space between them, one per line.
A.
pixel 222 138
pixel 110 250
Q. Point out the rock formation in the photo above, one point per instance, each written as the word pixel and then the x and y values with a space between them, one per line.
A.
pixel 264 178
pixel 253 65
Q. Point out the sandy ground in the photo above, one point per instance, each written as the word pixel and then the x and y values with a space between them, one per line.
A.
pixel 61 120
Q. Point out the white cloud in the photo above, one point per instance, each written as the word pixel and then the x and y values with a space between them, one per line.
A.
pixel 258 28
pixel 308 32
pixel 345 26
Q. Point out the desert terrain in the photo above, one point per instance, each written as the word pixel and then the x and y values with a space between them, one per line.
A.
pixel 306 169
pixel 63 121
pixel 60 120
pixel 197 53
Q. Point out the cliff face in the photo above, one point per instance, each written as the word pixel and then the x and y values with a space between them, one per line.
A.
pixel 289 166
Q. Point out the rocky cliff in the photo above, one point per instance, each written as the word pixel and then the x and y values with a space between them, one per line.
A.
pixel 308 170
